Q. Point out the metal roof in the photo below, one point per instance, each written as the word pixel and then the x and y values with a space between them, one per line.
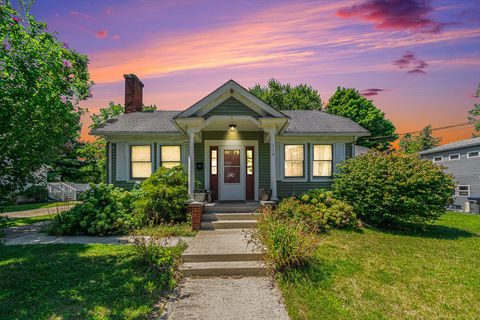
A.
pixel 453 145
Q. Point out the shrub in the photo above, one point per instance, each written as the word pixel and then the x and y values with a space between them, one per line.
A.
pixel 4 223
pixel 36 193
pixel 163 196
pixel 105 210
pixel 286 243
pixel 386 189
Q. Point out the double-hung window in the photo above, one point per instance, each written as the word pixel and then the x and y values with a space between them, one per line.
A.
pixel 322 160
pixel 294 161
pixel 140 161
pixel 170 156
pixel 438 159
pixel 463 191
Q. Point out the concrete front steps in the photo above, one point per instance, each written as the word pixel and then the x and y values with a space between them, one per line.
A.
pixel 221 247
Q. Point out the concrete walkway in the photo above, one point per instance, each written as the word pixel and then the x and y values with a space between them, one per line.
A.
pixel 31 234
pixel 253 298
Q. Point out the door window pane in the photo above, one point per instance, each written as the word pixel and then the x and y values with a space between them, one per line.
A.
pixel 249 162
pixel 170 156
pixel 231 166
pixel 213 159
pixel 294 159
pixel 322 160
pixel 140 161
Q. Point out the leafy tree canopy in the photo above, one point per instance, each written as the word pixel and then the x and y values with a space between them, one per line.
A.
pixel 474 114
pixel 347 102
pixel 287 97
pixel 42 81
pixel 423 141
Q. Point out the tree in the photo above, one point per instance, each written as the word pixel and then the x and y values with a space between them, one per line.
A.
pixel 106 114
pixel 42 81
pixel 391 188
pixel 347 102
pixel 423 141
pixel 285 97
pixel 474 114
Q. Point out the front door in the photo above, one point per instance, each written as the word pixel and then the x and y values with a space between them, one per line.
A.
pixel 232 173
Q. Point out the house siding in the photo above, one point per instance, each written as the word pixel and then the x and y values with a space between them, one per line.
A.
pixel 465 170
pixel 232 107
pixel 121 184
pixel 199 156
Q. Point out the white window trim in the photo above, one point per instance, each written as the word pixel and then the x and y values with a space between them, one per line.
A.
pixel 468 154
pixel 435 161
pixel 282 163
pixel 329 178
pixel 129 162
pixel 455 154
pixel 159 152
pixel 457 190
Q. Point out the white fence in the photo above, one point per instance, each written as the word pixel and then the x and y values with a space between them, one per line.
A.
pixel 63 191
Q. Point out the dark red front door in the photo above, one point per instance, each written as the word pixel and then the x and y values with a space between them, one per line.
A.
pixel 250 180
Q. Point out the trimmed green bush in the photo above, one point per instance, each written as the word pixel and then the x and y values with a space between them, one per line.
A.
pixel 393 188
pixel 287 243
pixel 105 210
pixel 163 196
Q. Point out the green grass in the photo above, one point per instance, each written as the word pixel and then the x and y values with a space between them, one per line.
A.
pixel 15 222
pixel 164 230
pixel 428 274
pixel 33 206
pixel 75 282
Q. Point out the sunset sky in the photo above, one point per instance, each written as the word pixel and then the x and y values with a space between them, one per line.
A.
pixel 419 61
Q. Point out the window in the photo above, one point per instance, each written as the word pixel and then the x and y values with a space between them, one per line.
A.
pixel 214 161
pixel 294 159
pixel 438 159
pixel 231 166
pixel 322 160
pixel 473 154
pixel 140 161
pixel 249 162
pixel 463 191
pixel 454 157
pixel 170 156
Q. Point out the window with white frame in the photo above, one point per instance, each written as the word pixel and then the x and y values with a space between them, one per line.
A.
pixel 294 161
pixel 170 156
pixel 322 160
pixel 438 159
pixel 454 157
pixel 140 161
pixel 473 154
pixel 463 191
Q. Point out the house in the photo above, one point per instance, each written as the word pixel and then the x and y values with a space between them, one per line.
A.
pixel 462 159
pixel 232 143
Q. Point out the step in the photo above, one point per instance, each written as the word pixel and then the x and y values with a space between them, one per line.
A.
pixel 222 257
pixel 230 208
pixel 228 224
pixel 226 268
pixel 228 216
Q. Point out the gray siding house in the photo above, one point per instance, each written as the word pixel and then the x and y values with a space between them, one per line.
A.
pixel 232 143
pixel 462 159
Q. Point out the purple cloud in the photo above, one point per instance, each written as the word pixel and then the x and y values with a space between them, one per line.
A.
pixel 371 92
pixel 411 62
pixel 411 15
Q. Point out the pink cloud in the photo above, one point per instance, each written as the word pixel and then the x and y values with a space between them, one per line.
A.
pixel 101 34
pixel 409 15
pixel 80 14
pixel 371 92
pixel 410 61
pixel 116 37
pixel 108 11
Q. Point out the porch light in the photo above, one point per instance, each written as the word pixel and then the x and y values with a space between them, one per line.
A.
pixel 232 128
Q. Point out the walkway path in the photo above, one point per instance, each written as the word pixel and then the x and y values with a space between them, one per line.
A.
pixel 253 298
pixel 31 234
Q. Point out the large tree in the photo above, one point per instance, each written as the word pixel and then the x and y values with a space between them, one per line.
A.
pixel 347 102
pixel 287 97
pixel 42 81
pixel 415 143
pixel 474 114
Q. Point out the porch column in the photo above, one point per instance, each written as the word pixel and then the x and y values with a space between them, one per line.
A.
pixel 273 169
pixel 191 164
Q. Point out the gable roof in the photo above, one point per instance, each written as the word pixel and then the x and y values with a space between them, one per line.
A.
pixel 453 145
pixel 318 122
pixel 222 93
pixel 158 122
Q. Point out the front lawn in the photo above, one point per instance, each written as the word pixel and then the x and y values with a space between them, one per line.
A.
pixel 428 274
pixel 75 282
pixel 33 206
pixel 15 222
pixel 181 229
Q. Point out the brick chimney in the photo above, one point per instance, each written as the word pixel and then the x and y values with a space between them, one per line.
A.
pixel 133 93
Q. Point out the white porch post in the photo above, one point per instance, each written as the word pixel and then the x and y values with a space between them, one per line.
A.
pixel 273 169
pixel 191 164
